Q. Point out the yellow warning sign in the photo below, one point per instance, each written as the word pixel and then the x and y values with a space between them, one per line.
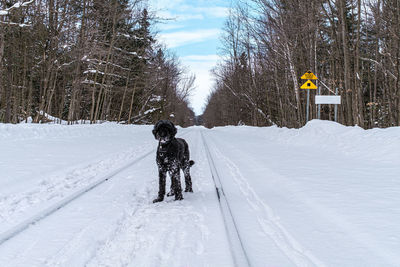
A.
pixel 309 76
pixel 308 85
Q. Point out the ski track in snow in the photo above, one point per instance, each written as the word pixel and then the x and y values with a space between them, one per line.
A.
pixel 153 234
pixel 268 221
pixel 64 254
pixel 51 189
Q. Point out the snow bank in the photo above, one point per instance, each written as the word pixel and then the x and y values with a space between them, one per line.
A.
pixel 14 132
pixel 374 144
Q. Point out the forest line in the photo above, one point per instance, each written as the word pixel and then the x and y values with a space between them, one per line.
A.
pixel 353 46
pixel 88 60
pixel 97 60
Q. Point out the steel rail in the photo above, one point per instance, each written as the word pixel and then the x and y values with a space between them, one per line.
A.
pixel 238 251
pixel 24 225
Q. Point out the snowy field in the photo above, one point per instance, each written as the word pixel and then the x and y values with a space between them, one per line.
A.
pixel 322 195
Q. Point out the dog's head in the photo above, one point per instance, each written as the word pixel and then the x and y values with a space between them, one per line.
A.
pixel 164 131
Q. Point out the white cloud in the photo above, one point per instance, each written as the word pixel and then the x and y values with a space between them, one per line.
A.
pixel 180 38
pixel 182 10
pixel 204 84
pixel 166 4
pixel 165 14
pixel 184 28
pixel 218 12
pixel 182 17
pixel 201 66
pixel 209 11
pixel 168 27
pixel 212 58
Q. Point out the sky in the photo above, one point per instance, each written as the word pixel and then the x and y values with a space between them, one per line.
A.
pixel 194 36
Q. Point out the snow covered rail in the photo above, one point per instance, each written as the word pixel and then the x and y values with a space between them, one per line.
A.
pixel 238 251
pixel 12 232
pixel 25 224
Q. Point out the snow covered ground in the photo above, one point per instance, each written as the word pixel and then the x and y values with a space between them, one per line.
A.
pixel 322 195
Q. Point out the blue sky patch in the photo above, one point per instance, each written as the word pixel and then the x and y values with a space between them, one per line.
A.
pixel 193 35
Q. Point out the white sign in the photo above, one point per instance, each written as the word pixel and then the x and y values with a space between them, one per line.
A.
pixel 327 99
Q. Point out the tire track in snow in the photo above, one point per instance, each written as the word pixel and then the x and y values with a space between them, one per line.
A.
pixel 269 222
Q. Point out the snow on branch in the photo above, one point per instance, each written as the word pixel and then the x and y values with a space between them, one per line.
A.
pixel 130 36
pixel 141 115
pixel 86 81
pixel 66 64
pixel 380 65
pixel 18 24
pixel 128 52
pixel 102 73
pixel 104 62
pixel 16 5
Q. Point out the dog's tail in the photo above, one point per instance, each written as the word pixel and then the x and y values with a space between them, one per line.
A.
pixel 191 163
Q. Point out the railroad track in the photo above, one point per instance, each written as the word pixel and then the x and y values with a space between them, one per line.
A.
pixel 24 225
pixel 237 248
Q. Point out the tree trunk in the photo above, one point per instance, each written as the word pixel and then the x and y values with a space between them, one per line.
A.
pixel 347 84
pixel 99 97
pixel 2 28
pixel 131 105
pixel 358 106
pixel 123 99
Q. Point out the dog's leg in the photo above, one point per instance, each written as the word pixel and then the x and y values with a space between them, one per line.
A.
pixel 188 179
pixel 176 183
pixel 171 191
pixel 187 163
pixel 161 190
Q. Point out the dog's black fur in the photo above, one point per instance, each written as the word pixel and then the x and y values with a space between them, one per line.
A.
pixel 172 155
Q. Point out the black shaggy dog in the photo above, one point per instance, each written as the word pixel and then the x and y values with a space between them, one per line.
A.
pixel 172 155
